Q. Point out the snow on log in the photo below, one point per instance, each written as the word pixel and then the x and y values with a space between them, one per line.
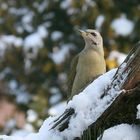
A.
pixel 120 107
pixel 111 99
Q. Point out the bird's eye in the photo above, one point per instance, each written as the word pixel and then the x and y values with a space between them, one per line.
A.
pixel 94 34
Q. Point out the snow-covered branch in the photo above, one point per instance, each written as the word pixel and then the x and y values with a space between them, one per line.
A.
pixel 111 95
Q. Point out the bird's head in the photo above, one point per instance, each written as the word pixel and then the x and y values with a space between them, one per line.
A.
pixel 92 39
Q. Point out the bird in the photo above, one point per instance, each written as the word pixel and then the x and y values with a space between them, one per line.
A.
pixel 88 64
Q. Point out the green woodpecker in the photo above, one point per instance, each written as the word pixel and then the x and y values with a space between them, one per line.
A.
pixel 88 64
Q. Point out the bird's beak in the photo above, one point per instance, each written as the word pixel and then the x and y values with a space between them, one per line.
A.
pixel 83 33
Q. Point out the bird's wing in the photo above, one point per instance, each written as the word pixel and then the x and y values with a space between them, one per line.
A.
pixel 72 74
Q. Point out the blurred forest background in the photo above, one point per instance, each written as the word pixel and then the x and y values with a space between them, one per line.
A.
pixel 38 39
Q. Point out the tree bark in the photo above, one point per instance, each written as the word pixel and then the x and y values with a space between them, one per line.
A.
pixel 123 108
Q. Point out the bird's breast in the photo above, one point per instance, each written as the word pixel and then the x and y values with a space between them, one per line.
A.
pixel 91 63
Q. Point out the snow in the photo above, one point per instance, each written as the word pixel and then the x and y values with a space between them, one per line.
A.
pixel 18 11
pixel 22 96
pixel 27 21
pixel 68 5
pixel 10 125
pixel 13 85
pixel 99 21
pixel 88 106
pixel 90 110
pixel 56 35
pixel 122 132
pixel 54 90
pixel 3 73
pixel 118 56
pixel 65 4
pixel 42 6
pixel 9 41
pixel 42 31
pixel 59 54
pixel 28 127
pixel 19 29
pixel 31 116
pixel 138 112
pixel 87 4
pixel 21 132
pixel 55 98
pixel 35 39
pixel 122 26
pixel 57 109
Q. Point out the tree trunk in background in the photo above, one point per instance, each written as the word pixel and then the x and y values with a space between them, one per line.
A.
pixel 123 108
